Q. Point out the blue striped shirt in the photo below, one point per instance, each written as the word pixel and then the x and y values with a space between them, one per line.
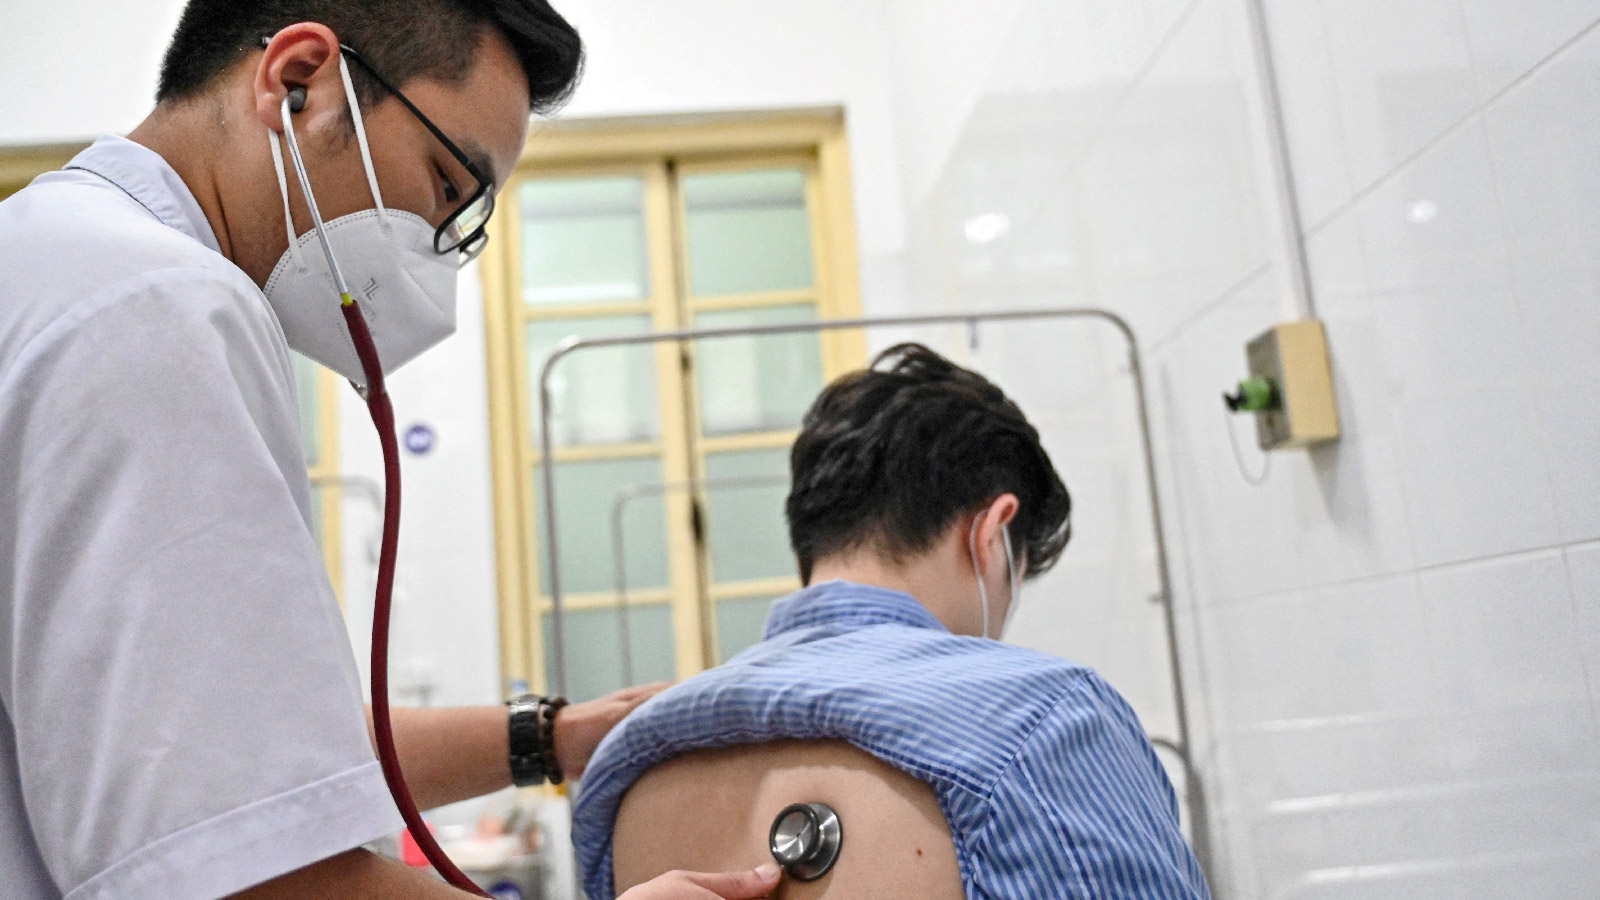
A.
pixel 1059 795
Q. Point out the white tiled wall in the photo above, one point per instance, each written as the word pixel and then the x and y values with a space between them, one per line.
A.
pixel 1392 645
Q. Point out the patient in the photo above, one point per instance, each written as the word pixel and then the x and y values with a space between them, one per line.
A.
pixel 921 500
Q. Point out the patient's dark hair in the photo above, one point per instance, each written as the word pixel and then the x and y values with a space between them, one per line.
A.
pixel 890 456
pixel 404 39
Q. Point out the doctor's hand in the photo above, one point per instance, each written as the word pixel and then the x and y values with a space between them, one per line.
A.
pixel 750 885
pixel 582 726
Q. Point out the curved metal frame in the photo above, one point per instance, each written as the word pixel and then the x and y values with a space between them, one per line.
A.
pixel 619 556
pixel 1200 828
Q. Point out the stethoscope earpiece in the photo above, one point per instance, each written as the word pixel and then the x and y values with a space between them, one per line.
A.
pixel 806 839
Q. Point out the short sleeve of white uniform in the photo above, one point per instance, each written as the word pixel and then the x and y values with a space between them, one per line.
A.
pixel 185 709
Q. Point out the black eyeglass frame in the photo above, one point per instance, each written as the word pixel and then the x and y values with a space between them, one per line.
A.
pixel 471 245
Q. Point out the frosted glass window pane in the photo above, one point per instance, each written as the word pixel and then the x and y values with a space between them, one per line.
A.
pixel 761 383
pixel 594 656
pixel 583 241
pixel 599 395
pixel 585 494
pixel 747 535
pixel 305 389
pixel 740 624
pixel 748 232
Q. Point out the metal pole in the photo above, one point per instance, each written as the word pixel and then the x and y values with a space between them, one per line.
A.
pixel 1291 227
pixel 619 558
pixel 369 489
pixel 1200 829
pixel 971 319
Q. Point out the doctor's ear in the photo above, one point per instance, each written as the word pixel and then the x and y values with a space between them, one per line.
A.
pixel 297 60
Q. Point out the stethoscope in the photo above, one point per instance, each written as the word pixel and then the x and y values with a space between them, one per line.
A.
pixel 806 839
pixel 381 410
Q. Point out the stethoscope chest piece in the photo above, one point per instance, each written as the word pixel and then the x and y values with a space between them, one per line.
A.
pixel 806 839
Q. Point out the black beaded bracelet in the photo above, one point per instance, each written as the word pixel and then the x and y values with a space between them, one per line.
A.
pixel 533 739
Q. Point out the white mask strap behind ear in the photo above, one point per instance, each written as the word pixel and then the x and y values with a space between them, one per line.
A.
pixel 283 188
pixel 311 203
pixel 983 591
pixel 1011 572
pixel 361 139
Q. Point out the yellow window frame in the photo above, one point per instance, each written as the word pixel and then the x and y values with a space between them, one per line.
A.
pixel 327 492
pixel 813 139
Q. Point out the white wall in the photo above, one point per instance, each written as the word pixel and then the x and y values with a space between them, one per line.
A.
pixel 1393 645
pixel 75 69
pixel 1394 640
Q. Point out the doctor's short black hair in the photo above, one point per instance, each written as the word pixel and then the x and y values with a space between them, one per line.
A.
pixel 889 457
pixel 404 39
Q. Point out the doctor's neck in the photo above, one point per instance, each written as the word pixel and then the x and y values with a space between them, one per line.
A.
pixel 195 138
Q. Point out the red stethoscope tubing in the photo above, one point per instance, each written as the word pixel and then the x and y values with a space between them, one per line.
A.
pixel 382 412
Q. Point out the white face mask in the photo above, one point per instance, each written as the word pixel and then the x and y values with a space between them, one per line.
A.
pixel 1011 576
pixel 406 290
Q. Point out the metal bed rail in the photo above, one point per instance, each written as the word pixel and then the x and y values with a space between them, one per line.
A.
pixel 619 555
pixel 1183 746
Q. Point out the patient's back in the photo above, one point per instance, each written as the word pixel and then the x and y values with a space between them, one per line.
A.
pixel 711 811
pixel 1049 785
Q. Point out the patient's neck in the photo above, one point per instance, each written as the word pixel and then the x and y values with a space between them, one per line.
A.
pixel 940 579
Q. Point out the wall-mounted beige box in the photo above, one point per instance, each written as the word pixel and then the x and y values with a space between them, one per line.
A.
pixel 1294 357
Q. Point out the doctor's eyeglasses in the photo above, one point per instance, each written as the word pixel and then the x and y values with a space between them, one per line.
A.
pixel 464 231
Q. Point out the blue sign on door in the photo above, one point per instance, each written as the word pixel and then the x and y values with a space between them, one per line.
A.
pixel 419 439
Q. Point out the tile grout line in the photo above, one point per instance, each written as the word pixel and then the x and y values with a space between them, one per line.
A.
pixel 1472 54
pixel 1539 66
pixel 1400 167
pixel 1448 132
pixel 1205 309
pixel 1325 46
pixel 1134 83
pixel 1390 411
pixel 1497 187
pixel 1415 572
pixel 1583 657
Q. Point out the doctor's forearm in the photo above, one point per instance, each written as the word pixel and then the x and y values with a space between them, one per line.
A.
pixel 451 754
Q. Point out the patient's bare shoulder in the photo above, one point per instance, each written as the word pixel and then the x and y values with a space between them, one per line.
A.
pixel 711 810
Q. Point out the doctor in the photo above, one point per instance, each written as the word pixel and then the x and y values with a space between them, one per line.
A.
pixel 180 716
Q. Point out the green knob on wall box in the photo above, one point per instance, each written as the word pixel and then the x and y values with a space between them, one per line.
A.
pixel 1254 395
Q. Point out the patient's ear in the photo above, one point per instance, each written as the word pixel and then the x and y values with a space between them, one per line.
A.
pixel 997 515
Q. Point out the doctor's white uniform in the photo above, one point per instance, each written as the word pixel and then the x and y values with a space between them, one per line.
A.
pixel 180 715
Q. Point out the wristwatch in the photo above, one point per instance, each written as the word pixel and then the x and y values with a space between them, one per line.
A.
pixel 533 739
